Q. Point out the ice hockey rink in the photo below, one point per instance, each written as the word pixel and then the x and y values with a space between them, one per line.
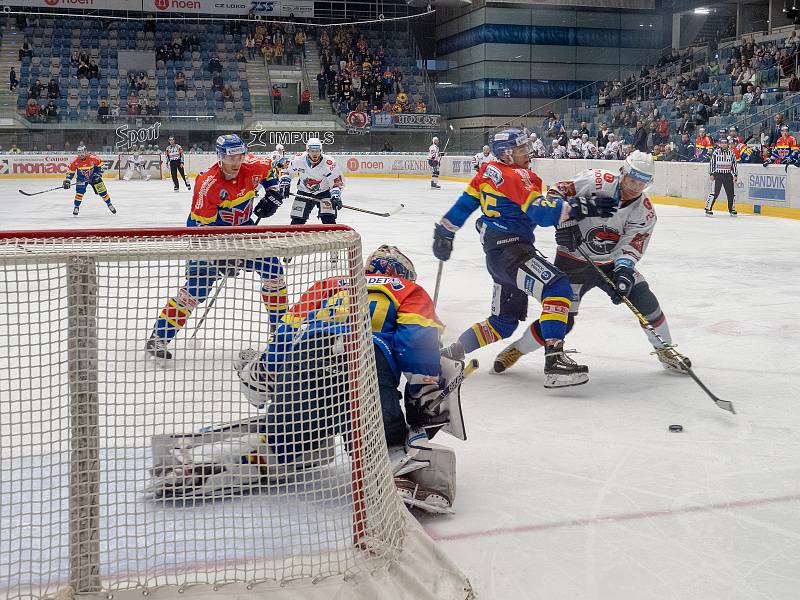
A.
pixel 582 492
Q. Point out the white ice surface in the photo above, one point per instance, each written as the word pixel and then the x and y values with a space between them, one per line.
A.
pixel 582 493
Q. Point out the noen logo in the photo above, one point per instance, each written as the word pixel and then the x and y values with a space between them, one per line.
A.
pixel 51 2
pixel 162 4
pixel 352 164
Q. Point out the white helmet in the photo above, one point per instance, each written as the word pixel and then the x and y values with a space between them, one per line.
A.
pixel 279 147
pixel 575 133
pixel 640 166
pixel 313 144
pixel 486 150
pixel 612 136
pixel 534 136
pixel 585 137
pixel 435 141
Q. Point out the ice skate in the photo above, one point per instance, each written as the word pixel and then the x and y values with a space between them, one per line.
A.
pixel 435 186
pixel 415 495
pixel 157 348
pixel 560 370
pixel 671 359
pixel 112 209
pixel 75 211
pixel 733 213
pixel 709 213
pixel 505 360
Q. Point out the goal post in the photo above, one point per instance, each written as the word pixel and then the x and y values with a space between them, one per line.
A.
pixel 123 476
pixel 152 161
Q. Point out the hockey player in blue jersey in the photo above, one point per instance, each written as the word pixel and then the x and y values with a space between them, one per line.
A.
pixel 512 204
pixel 302 379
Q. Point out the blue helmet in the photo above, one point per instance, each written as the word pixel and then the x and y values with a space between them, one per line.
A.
pixel 389 261
pixel 505 141
pixel 230 144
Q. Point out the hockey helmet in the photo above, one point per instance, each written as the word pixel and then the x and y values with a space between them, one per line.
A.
pixel 585 137
pixel 723 139
pixel 172 139
pixel 701 131
pixel 504 142
pixel 639 166
pixel 279 147
pixel 486 150
pixel 230 144
pixel 81 150
pixel 388 260
pixel 435 140
pixel 612 137
pixel 733 128
pixel 314 144
pixel 784 128
pixel 575 133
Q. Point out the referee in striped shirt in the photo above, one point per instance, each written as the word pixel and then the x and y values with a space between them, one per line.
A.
pixel 722 171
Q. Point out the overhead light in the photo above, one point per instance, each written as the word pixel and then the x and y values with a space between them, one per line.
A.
pixel 444 83
pixel 518 56
pixel 702 11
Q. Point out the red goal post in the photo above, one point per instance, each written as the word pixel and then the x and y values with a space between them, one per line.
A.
pixel 85 413
pixel 153 164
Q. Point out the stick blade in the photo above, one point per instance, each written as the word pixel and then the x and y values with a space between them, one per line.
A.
pixel 725 405
pixel 24 193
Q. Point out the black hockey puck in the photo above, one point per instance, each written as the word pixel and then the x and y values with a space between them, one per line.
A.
pixel 676 428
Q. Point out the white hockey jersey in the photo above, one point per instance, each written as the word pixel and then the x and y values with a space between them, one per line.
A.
pixel 539 151
pixel 613 150
pixel 433 152
pixel 315 179
pixel 589 150
pixel 558 151
pixel 480 158
pixel 174 152
pixel 276 154
pixel 575 148
pixel 626 234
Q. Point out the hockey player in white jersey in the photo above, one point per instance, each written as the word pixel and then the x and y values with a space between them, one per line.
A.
pixel 319 184
pixel 136 164
pixel 538 149
pixel 434 158
pixel 613 149
pixel 615 245
pixel 589 149
pixel 575 145
pixel 278 153
pixel 481 157
pixel 557 150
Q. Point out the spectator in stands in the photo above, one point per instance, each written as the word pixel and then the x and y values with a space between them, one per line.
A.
pixel 304 108
pixel 775 132
pixel 584 129
pixel 240 57
pixel 227 93
pixel 14 149
pixel 214 64
pixel 250 46
pixel 103 112
pixel 794 83
pixel 133 105
pixel 603 100
pixel 420 107
pixel 322 83
pixel 141 81
pixel 193 43
pixel 53 90
pixel 387 147
pixel 51 112
pixel 276 99
pixel 217 83
pixel 176 52
pixel 300 40
pixel 153 109
pixel 277 53
pixel 602 135
pixel 35 90
pixel 13 82
pixel 25 50
pixel 640 137
pixel 32 110
pixel 162 53
pixel 94 70
pixel 115 112
pixel 180 82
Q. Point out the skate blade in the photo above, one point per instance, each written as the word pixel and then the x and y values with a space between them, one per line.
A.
pixel 557 381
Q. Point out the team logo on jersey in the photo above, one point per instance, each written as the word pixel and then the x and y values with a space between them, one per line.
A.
pixel 223 195
pixel 255 179
pixel 312 184
pixel 602 240
pixel 495 174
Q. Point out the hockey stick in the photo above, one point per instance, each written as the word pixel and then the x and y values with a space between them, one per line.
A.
pixel 394 211
pixel 208 308
pixel 24 193
pixel 469 368
pixel 723 404
pixel 438 282
pixel 447 141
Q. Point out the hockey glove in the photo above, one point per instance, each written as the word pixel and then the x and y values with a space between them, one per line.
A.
pixel 766 163
pixel 66 185
pixel 96 178
pixel 594 206
pixel 285 186
pixel 268 204
pixel 568 235
pixel 336 198
pixel 442 242
pixel 623 278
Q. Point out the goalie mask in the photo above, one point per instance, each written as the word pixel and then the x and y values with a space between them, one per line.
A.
pixel 389 261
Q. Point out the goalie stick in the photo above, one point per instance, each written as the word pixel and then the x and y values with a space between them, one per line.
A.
pixel 24 193
pixel 469 368
pixel 394 211
pixel 723 404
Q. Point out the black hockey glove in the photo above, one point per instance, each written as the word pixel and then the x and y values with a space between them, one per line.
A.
pixel 67 183
pixel 595 206
pixel 286 184
pixel 766 163
pixel 336 198
pixel 96 178
pixel 268 205
pixel 623 278
pixel 568 235
pixel 442 242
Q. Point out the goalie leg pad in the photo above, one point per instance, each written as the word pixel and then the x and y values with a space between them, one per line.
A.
pixel 433 488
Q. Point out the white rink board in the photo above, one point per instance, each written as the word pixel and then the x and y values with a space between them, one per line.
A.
pixel 582 493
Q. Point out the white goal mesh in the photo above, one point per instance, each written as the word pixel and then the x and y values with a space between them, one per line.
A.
pixel 152 167
pixel 125 474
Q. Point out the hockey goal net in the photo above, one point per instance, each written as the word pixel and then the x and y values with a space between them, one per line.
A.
pixel 122 475
pixel 151 163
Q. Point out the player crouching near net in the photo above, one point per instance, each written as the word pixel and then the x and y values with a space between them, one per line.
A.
pixel 89 171
pixel 615 245
pixel 223 196
pixel 302 381
pixel 510 197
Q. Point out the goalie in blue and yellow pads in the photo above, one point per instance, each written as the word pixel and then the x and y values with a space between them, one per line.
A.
pixel 302 380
